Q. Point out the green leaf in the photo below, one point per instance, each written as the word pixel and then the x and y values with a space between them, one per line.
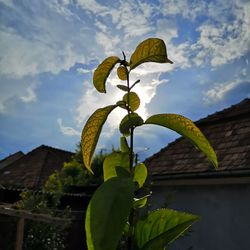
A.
pixel 115 159
pixel 122 172
pixel 126 123
pixel 108 212
pixel 122 73
pixel 102 72
pixel 136 82
pixel 188 129
pixel 121 104
pixel 133 99
pixel 161 227
pixel 140 174
pixel 140 202
pixel 124 145
pixel 122 87
pixel 150 50
pixel 91 133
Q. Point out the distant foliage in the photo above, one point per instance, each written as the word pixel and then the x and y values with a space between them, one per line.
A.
pixel 41 235
pixel 74 173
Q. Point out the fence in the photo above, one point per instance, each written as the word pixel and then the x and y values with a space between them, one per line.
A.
pixel 13 222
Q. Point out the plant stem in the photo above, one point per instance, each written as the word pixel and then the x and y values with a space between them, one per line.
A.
pixel 132 129
pixel 131 160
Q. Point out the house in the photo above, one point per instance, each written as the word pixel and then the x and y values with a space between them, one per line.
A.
pixel 20 172
pixel 29 171
pixel 184 179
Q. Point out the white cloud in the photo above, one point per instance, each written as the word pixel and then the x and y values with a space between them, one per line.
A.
pixel 133 18
pixel 109 44
pixel 8 3
pixel 21 57
pixel 69 131
pixel 83 71
pixel 92 6
pixel 218 92
pixel 30 95
pixel 55 40
pixel 12 90
pixel 222 41
pixel 185 8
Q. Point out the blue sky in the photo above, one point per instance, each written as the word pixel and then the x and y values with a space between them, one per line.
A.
pixel 49 49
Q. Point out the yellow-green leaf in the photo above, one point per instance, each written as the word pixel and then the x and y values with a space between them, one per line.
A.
pixel 133 99
pixel 122 87
pixel 140 202
pixel 161 227
pixel 130 121
pixel 91 133
pixel 188 129
pixel 108 212
pixel 102 72
pixel 115 159
pixel 122 73
pixel 124 145
pixel 150 50
pixel 140 174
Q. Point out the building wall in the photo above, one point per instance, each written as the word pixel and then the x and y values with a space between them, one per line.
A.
pixel 224 211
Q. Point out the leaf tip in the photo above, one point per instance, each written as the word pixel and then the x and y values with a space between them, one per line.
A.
pixel 169 61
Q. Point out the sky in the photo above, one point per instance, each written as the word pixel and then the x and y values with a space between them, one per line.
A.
pixel 49 50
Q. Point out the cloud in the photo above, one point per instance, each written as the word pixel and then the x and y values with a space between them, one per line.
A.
pixel 218 92
pixel 52 42
pixel 223 41
pixel 185 8
pixel 133 18
pixel 92 6
pixel 83 71
pixel 30 95
pixel 8 3
pixel 109 44
pixel 69 131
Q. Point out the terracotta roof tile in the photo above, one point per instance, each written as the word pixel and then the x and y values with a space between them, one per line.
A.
pixel 33 169
pixel 228 131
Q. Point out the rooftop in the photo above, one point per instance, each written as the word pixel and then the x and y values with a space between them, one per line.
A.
pixel 228 131
pixel 33 169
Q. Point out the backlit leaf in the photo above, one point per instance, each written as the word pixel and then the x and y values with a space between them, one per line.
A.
pixel 140 202
pixel 115 159
pixel 140 174
pixel 102 72
pixel 133 99
pixel 121 104
pixel 122 87
pixel 108 212
pixel 124 145
pixel 161 227
pixel 150 50
pixel 122 73
pixel 188 129
pixel 126 123
pixel 91 133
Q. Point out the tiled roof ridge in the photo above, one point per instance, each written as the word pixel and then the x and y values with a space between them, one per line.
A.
pixel 218 116
pixel 9 156
pixel 199 122
pixel 50 148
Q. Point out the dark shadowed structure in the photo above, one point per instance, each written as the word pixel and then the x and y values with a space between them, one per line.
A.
pixel 185 180
pixel 33 169
pixel 19 172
